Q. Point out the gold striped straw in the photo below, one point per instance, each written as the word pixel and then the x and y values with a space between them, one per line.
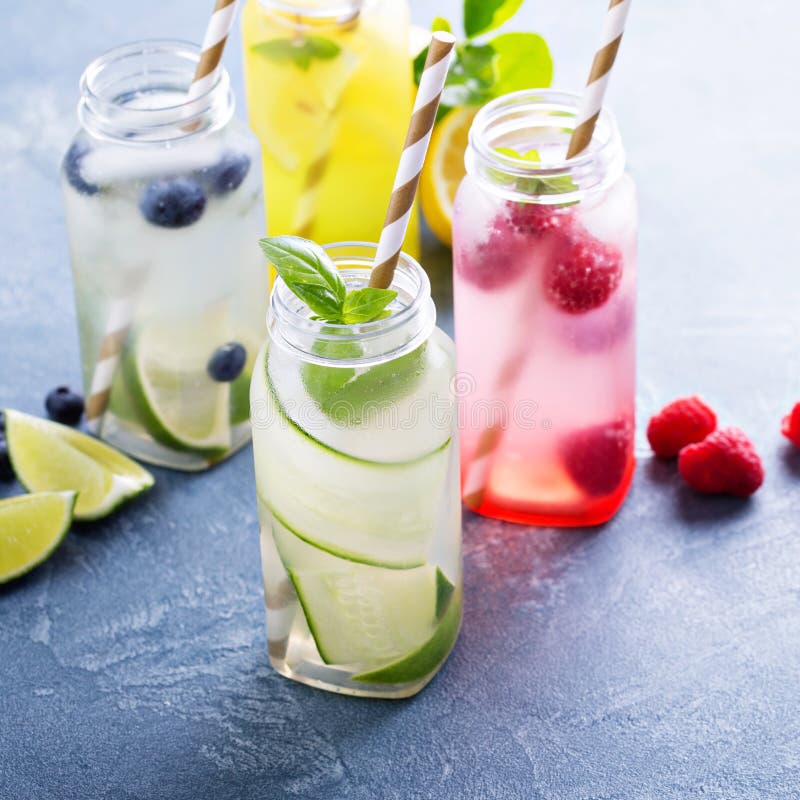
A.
pixel 122 309
pixel 476 480
pixel 406 181
pixel 592 101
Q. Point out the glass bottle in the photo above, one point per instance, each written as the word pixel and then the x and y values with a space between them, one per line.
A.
pixel 545 299
pixel 329 94
pixel 356 462
pixel 164 209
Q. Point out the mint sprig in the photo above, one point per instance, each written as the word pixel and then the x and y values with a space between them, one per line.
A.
pixel 311 275
pixel 483 70
pixel 298 50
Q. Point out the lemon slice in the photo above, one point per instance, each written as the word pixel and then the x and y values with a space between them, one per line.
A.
pixel 444 170
pixel 48 457
pixel 31 528
pixel 179 403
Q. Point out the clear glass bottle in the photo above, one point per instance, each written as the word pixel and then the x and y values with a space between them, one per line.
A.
pixel 356 461
pixel 164 209
pixel 329 94
pixel 545 299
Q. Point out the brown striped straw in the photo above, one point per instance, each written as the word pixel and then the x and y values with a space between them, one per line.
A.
pixel 592 101
pixel 423 117
pixel 476 480
pixel 121 311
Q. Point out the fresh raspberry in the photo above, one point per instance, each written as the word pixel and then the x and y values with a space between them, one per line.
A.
pixel 496 261
pixel 790 427
pixel 598 457
pixel 536 221
pixel 583 274
pixel 725 462
pixel 682 422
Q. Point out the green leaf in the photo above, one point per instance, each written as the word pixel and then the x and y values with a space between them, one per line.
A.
pixel 471 77
pixel 298 50
pixel 441 24
pixel 322 381
pixel 366 305
pixel 523 62
pixel 481 16
pixel 309 272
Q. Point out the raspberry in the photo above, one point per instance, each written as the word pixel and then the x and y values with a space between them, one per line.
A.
pixel 582 275
pixel 496 261
pixel 682 422
pixel 534 220
pixel 725 462
pixel 790 427
pixel 598 457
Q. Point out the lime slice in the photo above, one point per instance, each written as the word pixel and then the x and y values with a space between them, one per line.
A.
pixel 48 457
pixel 31 528
pixel 360 616
pixel 425 659
pixel 179 403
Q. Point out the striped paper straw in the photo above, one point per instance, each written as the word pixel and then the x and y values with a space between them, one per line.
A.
pixel 119 322
pixel 476 480
pixel 219 26
pixel 592 101
pixel 413 157
pixel 122 310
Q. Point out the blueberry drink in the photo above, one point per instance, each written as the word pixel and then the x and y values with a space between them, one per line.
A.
pixel 163 206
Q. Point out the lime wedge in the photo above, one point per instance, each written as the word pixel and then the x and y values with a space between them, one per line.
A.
pixel 179 403
pixel 48 457
pixel 31 528
pixel 426 658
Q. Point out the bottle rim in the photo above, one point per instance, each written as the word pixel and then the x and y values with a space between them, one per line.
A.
pixel 600 165
pixel 336 11
pixel 291 326
pixel 112 79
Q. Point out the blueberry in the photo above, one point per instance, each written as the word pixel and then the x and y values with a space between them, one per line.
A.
pixel 173 203
pixel 227 362
pixel 72 169
pixel 228 173
pixel 65 406
pixel 6 470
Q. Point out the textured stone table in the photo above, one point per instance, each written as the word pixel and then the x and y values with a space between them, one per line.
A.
pixel 656 657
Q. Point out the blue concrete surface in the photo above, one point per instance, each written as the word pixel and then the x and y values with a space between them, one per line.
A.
pixel 657 657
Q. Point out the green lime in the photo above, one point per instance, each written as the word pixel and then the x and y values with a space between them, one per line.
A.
pixel 179 403
pixel 49 457
pixel 31 528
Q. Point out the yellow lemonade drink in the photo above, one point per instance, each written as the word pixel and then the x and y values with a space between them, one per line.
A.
pixel 329 94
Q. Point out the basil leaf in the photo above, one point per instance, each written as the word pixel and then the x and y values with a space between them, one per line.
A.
pixel 300 51
pixel 523 61
pixel 309 272
pixel 481 16
pixel 366 305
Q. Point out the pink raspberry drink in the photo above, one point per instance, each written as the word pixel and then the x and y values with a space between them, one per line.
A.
pixel 545 297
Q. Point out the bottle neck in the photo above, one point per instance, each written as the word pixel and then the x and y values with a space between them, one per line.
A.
pixel 314 14
pixel 138 93
pixel 411 322
pixel 518 145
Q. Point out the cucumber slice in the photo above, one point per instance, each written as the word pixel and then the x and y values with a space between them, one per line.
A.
pixel 365 511
pixel 359 616
pixel 426 658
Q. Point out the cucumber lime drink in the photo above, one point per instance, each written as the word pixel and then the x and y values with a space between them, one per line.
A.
pixel 356 460
pixel 163 201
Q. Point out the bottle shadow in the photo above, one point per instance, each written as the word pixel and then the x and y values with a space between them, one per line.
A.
pixel 791 460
